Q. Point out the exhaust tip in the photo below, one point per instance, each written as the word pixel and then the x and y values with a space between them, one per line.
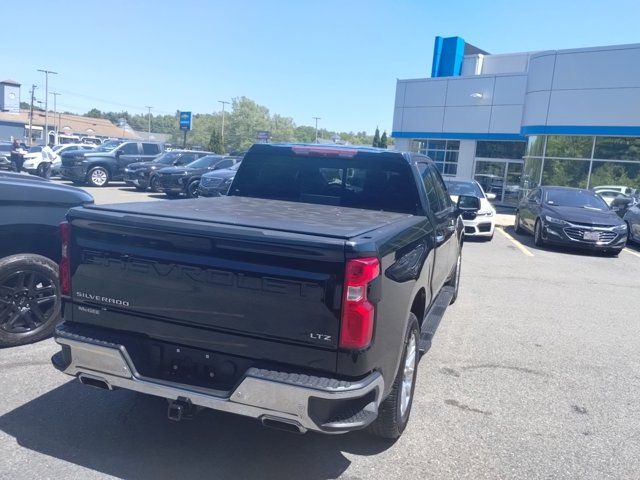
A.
pixel 282 424
pixel 96 382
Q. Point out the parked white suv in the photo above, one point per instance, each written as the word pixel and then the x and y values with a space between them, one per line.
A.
pixel 483 223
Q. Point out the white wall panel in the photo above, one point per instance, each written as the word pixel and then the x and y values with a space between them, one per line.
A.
pixel 422 119
pixel 425 93
pixel 467 119
pixel 397 119
pixel 615 68
pixel 535 108
pixel 618 107
pixel 540 73
pixel 508 63
pixel 510 90
pixel 461 88
pixel 400 89
pixel 505 119
pixel 465 158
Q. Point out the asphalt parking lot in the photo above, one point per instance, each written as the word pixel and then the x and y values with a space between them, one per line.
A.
pixel 534 373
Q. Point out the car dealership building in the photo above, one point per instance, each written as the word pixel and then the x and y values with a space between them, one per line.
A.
pixel 514 121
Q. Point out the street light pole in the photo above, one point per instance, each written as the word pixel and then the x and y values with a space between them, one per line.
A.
pixel 316 119
pixel 149 134
pixel 55 112
pixel 46 102
pixel 33 89
pixel 222 133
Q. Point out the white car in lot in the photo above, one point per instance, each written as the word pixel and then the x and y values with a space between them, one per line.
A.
pixel 484 223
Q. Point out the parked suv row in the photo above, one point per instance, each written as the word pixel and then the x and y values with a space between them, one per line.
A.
pixel 107 162
pixel 142 175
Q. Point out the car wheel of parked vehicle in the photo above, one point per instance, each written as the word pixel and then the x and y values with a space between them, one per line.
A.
pixel 29 300
pixel 537 234
pixel 192 189
pixel 516 224
pixel 98 177
pixel 153 184
pixel 44 170
pixel 393 413
pixel 455 280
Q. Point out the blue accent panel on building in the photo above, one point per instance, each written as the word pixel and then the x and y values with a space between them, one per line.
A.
pixel 610 131
pixel 447 57
pixel 458 136
pixel 437 54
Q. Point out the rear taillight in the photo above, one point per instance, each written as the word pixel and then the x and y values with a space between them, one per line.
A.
pixel 356 328
pixel 65 264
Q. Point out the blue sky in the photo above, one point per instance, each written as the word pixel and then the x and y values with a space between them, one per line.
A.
pixel 338 60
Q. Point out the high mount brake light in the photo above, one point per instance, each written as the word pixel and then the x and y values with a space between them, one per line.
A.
pixel 65 263
pixel 320 151
pixel 356 328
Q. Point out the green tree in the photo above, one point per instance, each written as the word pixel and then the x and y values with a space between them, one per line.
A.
pixel 215 142
pixel 383 140
pixel 376 138
pixel 246 118
pixel 94 113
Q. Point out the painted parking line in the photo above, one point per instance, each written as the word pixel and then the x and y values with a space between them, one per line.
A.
pixel 520 246
pixel 635 254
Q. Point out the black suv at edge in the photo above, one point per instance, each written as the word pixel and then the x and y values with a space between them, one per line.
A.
pixel 141 175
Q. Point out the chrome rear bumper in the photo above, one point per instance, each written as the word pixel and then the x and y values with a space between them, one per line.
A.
pixel 261 394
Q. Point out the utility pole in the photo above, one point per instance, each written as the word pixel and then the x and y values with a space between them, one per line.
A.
pixel 222 134
pixel 46 104
pixel 56 128
pixel 149 135
pixel 33 88
pixel 316 119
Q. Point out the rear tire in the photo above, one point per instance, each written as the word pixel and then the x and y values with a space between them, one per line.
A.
pixel 192 189
pixel 516 224
pixel 153 184
pixel 29 299
pixel 393 413
pixel 538 241
pixel 455 279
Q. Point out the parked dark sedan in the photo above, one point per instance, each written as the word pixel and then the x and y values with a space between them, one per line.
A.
pixel 174 181
pixel 571 217
pixel 217 183
pixel 141 175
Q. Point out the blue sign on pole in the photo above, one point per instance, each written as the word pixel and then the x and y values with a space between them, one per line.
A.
pixel 185 121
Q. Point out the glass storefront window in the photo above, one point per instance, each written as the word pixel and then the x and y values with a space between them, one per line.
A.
pixel 531 175
pixel 615 173
pixel 566 173
pixel 569 146
pixel 443 152
pixel 617 148
pixel 500 149
pixel 535 146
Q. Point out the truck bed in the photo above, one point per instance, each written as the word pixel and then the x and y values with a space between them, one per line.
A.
pixel 310 219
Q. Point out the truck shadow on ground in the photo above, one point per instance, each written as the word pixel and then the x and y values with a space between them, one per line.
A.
pixel 127 435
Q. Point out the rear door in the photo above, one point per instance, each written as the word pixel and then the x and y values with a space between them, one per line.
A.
pixel 129 153
pixel 444 222
pixel 150 151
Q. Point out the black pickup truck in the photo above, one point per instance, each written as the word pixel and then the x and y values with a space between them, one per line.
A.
pixel 304 298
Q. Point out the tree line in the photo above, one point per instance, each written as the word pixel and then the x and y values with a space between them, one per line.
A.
pixel 241 124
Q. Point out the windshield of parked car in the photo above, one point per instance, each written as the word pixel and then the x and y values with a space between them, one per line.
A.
pixel 457 187
pixel 575 198
pixel 108 146
pixel 205 162
pixel 167 158
pixel 358 182
pixel 35 149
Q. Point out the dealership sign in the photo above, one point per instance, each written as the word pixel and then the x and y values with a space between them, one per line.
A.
pixel 185 121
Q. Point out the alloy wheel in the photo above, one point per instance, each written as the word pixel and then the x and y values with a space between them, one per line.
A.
pixel 407 375
pixel 98 177
pixel 27 301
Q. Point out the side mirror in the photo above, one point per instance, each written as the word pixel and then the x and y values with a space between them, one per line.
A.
pixel 468 203
pixel 491 196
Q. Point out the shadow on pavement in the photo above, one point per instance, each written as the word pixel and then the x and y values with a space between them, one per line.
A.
pixel 127 435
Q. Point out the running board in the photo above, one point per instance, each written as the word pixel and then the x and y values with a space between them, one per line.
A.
pixel 433 317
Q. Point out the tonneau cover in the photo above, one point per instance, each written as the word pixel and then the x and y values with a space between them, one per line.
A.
pixel 304 218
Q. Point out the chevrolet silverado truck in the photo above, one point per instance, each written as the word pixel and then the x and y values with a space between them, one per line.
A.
pixel 303 299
